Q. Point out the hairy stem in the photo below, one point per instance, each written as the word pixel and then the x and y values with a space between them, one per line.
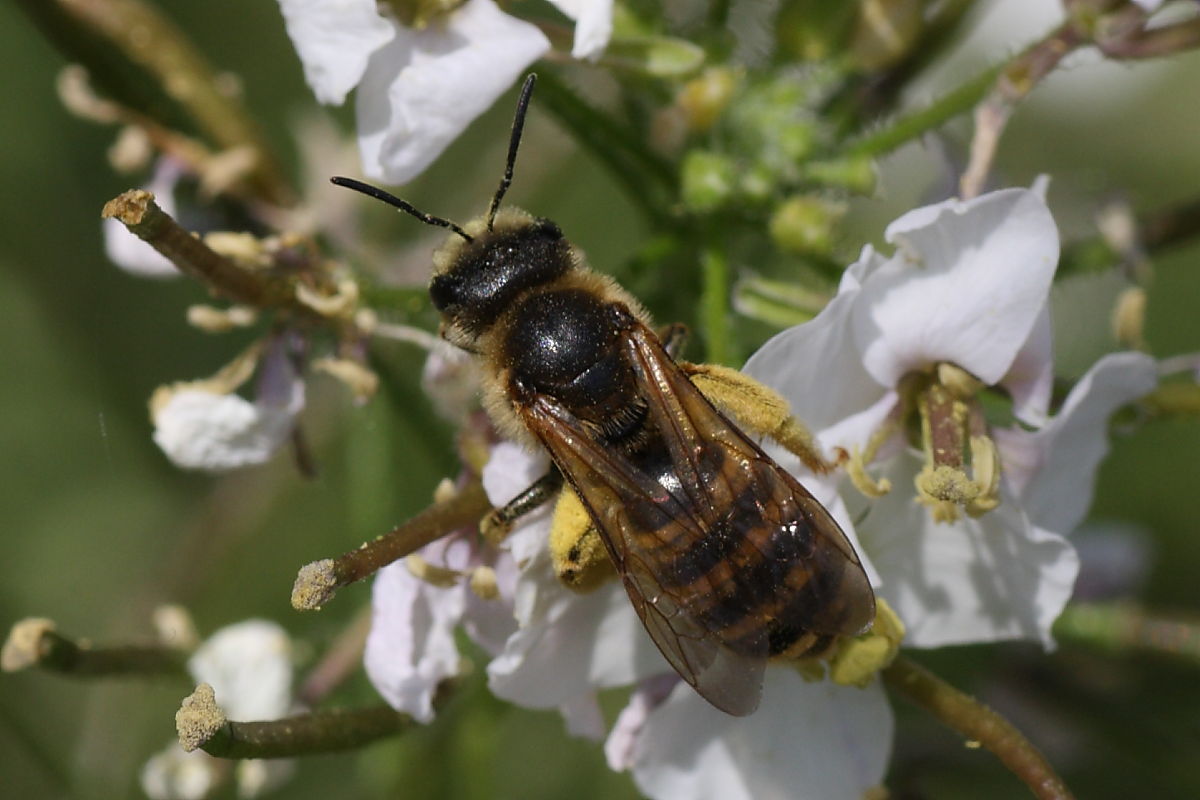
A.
pixel 978 723
pixel 907 128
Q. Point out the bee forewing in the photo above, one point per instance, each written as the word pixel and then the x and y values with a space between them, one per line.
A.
pixel 637 517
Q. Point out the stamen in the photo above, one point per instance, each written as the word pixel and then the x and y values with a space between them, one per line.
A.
pixel 437 576
pixel 856 464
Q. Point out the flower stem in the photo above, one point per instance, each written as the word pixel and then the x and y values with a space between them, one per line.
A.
pixel 317 582
pixel 141 58
pixel 907 128
pixel 714 306
pixel 631 163
pixel 35 643
pixel 1158 231
pixel 977 723
pixel 200 723
pixel 137 210
pixel 1117 627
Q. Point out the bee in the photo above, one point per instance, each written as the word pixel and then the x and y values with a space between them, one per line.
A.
pixel 726 558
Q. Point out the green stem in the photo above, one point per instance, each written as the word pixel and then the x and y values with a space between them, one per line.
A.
pixel 714 306
pixel 316 583
pixel 1119 627
pixel 977 723
pixel 907 128
pixel 646 177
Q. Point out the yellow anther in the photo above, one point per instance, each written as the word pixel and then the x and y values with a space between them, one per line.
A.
pixel 960 383
pixel 483 583
pixel 437 576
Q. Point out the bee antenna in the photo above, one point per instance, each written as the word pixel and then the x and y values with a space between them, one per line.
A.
pixel 513 143
pixel 403 205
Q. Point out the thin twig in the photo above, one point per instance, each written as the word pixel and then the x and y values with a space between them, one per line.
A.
pixel 317 582
pixel 977 723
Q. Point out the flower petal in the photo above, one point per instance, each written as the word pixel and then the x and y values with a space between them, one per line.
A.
pixel 966 285
pixel 1030 379
pixel 623 741
pixel 249 666
pixel 569 644
pixel 411 647
pixel 583 717
pixel 1070 447
pixel 208 431
pixel 818 367
pixel 808 740
pixel 975 580
pixel 593 25
pixel 334 39
pixel 422 89
pixel 175 774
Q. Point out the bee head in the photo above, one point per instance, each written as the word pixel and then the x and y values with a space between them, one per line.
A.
pixel 477 278
pixel 485 265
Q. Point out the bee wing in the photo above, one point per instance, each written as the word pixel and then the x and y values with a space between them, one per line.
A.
pixel 831 593
pixel 636 516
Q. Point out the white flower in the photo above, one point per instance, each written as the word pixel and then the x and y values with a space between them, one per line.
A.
pixel 967 286
pixel 175 774
pixel 203 425
pixel 419 89
pixel 249 666
pixel 411 648
pixel 129 252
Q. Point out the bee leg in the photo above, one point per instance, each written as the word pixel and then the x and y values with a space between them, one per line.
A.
pixel 758 409
pixel 673 338
pixel 580 559
pixel 496 524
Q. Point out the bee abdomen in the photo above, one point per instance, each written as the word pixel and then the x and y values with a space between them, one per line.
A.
pixel 751 579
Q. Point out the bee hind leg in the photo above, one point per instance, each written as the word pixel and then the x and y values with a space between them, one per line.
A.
pixel 577 551
pixel 760 410
pixel 497 523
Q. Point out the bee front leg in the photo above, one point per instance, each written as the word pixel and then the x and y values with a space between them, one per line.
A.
pixel 497 523
pixel 760 410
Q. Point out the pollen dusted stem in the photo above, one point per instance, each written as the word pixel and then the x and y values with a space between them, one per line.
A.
pixel 977 722
pixel 139 213
pixel 317 582
pixel 200 723
pixel 35 643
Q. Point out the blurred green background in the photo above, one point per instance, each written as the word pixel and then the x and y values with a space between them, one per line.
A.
pixel 98 528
